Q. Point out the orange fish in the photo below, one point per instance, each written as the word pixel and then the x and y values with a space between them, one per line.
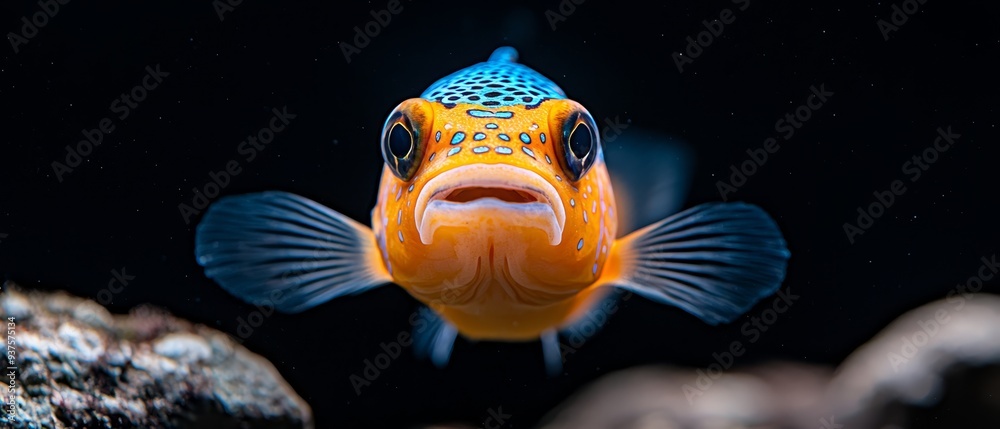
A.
pixel 496 210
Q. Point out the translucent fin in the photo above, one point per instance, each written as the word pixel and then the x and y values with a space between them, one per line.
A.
pixel 286 250
pixel 714 261
pixel 435 340
pixel 552 353
pixel 651 173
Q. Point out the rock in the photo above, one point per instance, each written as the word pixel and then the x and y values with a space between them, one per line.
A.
pixel 938 363
pixel 80 366
pixel 937 366
pixel 771 396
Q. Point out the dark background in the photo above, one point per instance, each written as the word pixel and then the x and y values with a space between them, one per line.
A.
pixel 119 208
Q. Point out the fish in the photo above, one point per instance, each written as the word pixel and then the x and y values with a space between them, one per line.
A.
pixel 496 210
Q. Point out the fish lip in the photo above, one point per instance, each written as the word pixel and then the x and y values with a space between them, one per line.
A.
pixel 501 176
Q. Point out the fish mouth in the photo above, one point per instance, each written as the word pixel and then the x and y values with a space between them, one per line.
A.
pixel 514 195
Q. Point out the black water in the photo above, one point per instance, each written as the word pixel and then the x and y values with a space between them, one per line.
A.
pixel 118 209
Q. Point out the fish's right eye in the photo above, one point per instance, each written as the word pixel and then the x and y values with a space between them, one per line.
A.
pixel 401 138
pixel 581 143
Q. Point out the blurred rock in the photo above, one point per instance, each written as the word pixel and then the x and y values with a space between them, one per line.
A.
pixel 772 396
pixel 79 366
pixel 934 367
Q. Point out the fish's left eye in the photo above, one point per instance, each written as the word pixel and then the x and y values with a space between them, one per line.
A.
pixel 580 144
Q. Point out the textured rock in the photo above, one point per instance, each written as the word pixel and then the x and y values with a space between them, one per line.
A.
pixel 80 366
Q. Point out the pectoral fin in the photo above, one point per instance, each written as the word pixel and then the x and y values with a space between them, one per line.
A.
pixel 286 250
pixel 714 261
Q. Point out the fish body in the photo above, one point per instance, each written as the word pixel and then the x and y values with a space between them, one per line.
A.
pixel 496 210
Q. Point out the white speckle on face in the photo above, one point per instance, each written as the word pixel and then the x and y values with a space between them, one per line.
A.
pixel 593 207
pixel 399 216
pixel 447 126
pixel 400 233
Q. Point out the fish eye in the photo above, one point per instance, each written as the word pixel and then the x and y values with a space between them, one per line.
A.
pixel 580 143
pixel 400 141
pixel 400 147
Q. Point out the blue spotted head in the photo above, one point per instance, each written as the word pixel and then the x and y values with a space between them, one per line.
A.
pixel 494 177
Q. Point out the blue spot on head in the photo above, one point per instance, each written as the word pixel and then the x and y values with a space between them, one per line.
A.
pixel 504 150
pixel 491 126
pixel 454 150
pixel 525 138
pixel 541 137
pixel 503 137
pixel 500 81
pixel 437 136
pixel 459 136
pixel 481 149
pixel 478 136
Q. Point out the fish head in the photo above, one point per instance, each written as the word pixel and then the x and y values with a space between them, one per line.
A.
pixel 473 194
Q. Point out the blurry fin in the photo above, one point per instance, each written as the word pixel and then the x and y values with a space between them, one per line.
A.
pixel 286 250
pixel 650 174
pixel 714 261
pixel 551 353
pixel 436 340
